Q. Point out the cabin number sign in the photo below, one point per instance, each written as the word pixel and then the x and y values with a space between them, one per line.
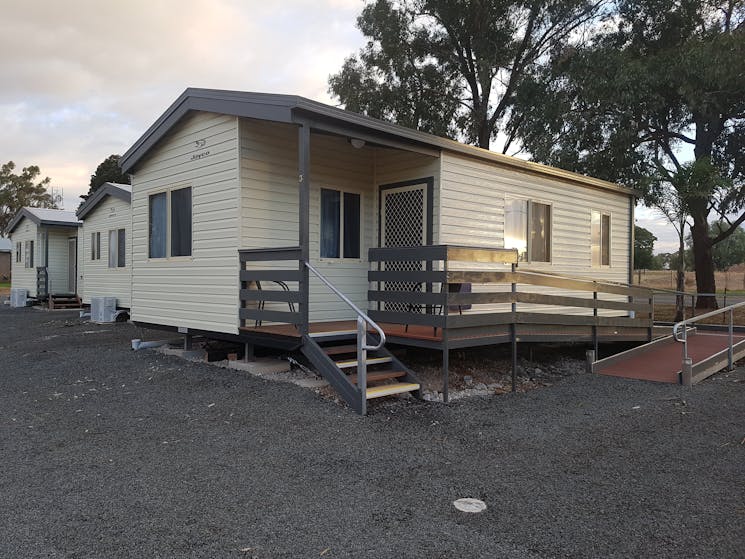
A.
pixel 200 145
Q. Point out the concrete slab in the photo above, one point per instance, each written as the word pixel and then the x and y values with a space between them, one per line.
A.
pixel 261 367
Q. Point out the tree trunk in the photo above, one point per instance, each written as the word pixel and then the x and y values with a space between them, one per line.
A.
pixel 703 263
pixel 680 285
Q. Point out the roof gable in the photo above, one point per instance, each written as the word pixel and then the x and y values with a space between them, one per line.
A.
pixel 44 216
pixel 115 190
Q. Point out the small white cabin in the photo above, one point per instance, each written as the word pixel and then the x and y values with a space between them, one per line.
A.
pixel 279 221
pixel 45 251
pixel 106 244
pixel 221 172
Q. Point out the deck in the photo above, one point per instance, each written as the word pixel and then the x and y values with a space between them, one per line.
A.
pixel 285 335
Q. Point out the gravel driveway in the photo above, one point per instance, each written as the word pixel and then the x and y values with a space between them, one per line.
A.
pixel 106 452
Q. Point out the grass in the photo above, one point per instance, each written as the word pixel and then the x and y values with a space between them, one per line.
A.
pixel 733 280
pixel 4 284
pixel 666 313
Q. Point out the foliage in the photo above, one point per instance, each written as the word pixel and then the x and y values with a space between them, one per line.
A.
pixel 643 249
pixel 455 67
pixel 665 77
pixel 21 190
pixel 107 171
pixel 730 251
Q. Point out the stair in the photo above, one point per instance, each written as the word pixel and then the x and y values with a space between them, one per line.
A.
pixel 64 301
pixel 334 354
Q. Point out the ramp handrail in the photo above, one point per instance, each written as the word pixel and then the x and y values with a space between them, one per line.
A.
pixel 362 346
pixel 687 363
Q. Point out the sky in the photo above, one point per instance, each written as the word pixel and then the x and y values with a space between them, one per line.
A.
pixel 81 80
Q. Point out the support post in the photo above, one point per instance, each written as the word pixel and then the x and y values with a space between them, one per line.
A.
pixel 513 332
pixel 589 360
pixel 362 364
pixel 304 222
pixel 687 373
pixel 188 342
pixel 595 321
pixel 248 353
pixel 445 294
pixel 730 349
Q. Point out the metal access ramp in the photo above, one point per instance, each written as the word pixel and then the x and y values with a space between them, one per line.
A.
pixel 687 356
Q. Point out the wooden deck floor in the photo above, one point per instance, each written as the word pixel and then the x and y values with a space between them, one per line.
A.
pixel 428 336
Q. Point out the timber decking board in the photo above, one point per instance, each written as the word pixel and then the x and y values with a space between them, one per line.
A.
pixel 663 363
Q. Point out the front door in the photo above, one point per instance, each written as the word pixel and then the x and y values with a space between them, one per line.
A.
pixel 72 266
pixel 404 220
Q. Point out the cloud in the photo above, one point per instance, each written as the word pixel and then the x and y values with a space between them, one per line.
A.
pixel 84 79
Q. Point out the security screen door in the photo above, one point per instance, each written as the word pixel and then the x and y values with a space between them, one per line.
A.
pixel 403 223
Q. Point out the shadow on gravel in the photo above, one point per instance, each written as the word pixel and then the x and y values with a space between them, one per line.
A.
pixel 108 452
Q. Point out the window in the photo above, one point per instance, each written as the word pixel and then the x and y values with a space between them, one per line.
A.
pixel 116 248
pixel 175 224
pixel 600 238
pixel 96 246
pixel 527 227
pixel 340 224
pixel 181 222
pixel 29 254
pixel 19 251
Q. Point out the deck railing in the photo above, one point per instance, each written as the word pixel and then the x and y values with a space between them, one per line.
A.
pixel 433 294
pixel 271 286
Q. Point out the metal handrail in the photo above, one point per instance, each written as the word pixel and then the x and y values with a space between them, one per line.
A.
pixel 687 362
pixel 360 313
pixel 362 346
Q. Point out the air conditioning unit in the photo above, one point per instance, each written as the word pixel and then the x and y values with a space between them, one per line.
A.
pixel 18 297
pixel 103 309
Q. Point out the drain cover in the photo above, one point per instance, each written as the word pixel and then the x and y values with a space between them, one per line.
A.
pixel 470 505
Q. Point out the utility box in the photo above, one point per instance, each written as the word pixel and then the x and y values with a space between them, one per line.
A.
pixel 103 309
pixel 18 297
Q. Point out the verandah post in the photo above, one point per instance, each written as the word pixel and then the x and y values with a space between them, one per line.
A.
pixel 304 222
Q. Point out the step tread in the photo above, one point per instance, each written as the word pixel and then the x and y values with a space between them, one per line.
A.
pixel 369 361
pixel 339 349
pixel 379 375
pixel 332 334
pixel 391 389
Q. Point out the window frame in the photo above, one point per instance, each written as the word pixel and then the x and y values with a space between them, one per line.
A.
pixel 599 262
pixel 529 258
pixel 28 254
pixel 342 204
pixel 118 257
pixel 19 252
pixel 168 233
pixel 95 246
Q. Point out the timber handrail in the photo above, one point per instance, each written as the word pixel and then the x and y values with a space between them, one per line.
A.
pixel 687 362
pixel 360 313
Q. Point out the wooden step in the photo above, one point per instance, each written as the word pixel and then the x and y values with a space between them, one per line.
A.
pixel 377 376
pixel 370 361
pixel 332 334
pixel 391 389
pixel 340 349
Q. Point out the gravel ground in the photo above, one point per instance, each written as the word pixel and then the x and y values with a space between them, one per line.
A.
pixel 106 452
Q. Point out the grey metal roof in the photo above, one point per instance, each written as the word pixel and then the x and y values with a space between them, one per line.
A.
pixel 45 216
pixel 114 189
pixel 299 110
pixel 6 245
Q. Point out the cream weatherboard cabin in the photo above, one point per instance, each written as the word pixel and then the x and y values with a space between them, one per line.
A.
pixel 45 255
pixel 280 221
pixel 106 245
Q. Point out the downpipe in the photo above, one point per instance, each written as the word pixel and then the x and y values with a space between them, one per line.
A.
pixel 138 344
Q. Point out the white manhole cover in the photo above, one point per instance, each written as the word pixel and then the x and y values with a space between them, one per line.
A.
pixel 470 505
